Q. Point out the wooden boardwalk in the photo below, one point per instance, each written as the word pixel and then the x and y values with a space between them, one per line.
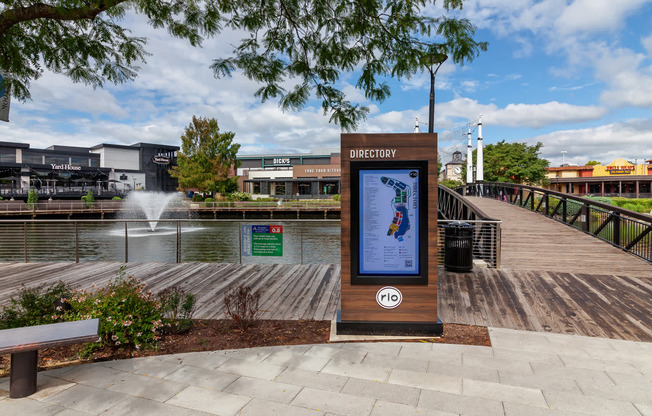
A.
pixel 530 241
pixel 571 303
pixel 287 291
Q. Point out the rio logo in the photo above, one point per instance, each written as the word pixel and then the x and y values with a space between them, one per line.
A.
pixel 389 297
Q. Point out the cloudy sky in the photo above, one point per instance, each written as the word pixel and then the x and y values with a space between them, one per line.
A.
pixel 575 75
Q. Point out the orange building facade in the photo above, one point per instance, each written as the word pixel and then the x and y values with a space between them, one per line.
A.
pixel 618 178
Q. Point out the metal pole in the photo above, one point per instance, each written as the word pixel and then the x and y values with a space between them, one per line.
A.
pixel 431 112
pixel 178 242
pixel 126 244
pixel 76 242
pixel 301 241
pixel 437 60
pixel 240 241
pixel 25 242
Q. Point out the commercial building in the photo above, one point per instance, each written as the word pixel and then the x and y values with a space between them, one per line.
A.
pixel 291 176
pixel 618 178
pixel 67 172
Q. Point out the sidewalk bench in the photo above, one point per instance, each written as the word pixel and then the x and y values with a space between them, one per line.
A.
pixel 23 345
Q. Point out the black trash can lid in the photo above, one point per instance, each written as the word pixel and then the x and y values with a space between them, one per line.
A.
pixel 458 224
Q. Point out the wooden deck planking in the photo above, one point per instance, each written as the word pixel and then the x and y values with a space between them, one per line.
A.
pixel 530 241
pixel 578 303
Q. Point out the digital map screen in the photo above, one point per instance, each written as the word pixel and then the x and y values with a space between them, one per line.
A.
pixel 389 222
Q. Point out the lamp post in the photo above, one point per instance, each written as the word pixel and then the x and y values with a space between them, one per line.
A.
pixel 433 67
pixel 563 157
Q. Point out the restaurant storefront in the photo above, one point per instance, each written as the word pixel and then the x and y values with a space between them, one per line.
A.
pixel 617 179
pixel 67 172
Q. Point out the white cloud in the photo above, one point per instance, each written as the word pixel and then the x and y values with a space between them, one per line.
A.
pixel 588 16
pixel 629 140
pixel 523 115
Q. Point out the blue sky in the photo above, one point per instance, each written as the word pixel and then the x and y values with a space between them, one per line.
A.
pixel 574 75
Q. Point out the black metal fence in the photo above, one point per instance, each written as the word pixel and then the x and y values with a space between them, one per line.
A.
pixel 629 230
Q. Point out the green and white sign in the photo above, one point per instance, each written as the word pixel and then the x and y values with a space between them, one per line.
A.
pixel 262 240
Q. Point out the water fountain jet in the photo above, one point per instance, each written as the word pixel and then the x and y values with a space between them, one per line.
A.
pixel 152 204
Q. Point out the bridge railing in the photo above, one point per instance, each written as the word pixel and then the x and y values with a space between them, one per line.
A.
pixel 486 238
pixel 628 230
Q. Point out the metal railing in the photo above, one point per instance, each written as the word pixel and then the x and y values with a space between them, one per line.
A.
pixel 486 238
pixel 628 230
pixel 73 207
pixel 178 240
pixel 182 240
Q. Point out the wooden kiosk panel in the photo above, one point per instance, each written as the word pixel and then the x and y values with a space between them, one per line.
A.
pixel 361 312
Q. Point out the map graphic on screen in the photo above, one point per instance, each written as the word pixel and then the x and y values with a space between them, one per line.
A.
pixel 388 222
pixel 401 221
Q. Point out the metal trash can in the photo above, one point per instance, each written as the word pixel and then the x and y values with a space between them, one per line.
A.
pixel 458 246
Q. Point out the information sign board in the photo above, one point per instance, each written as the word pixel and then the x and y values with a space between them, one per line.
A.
pixel 262 240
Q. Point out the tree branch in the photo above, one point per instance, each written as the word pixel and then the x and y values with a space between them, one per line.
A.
pixel 12 17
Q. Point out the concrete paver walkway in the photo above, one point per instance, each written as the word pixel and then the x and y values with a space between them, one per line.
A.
pixel 523 373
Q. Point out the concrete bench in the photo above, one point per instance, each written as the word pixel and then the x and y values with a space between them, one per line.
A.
pixel 23 345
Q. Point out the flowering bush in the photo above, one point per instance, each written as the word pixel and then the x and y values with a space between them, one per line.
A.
pixel 128 314
pixel 36 306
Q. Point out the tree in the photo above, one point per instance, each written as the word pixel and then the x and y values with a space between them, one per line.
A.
pixel 207 156
pixel 512 163
pixel 592 163
pixel 89 199
pixel 306 42
pixel 32 199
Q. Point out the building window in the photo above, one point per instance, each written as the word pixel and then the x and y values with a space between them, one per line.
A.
pixel 79 161
pixel 8 157
pixel 58 160
pixel 94 163
pixel 256 188
pixel 32 159
pixel 304 189
pixel 329 188
pixel 279 188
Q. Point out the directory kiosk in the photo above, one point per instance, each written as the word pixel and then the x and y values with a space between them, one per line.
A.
pixel 389 235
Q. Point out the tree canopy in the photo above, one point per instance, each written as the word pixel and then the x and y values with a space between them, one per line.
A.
pixel 512 163
pixel 296 49
pixel 207 157
pixel 592 163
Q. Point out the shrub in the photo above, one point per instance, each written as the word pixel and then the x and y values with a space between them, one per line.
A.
pixel 337 197
pixel 634 207
pixel 451 183
pixel 116 198
pixel 177 307
pixel 197 198
pixel 128 315
pixel 241 306
pixel 239 196
pixel 89 199
pixel 36 306
pixel 32 199
pixel 603 199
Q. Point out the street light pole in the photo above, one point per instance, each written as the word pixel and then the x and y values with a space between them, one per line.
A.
pixel 437 60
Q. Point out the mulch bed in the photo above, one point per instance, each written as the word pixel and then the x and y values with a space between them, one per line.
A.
pixel 219 334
